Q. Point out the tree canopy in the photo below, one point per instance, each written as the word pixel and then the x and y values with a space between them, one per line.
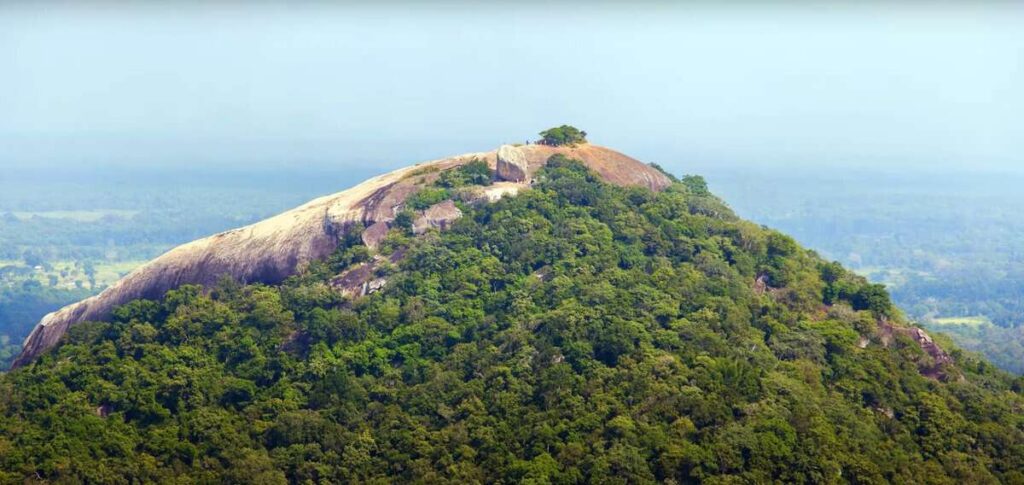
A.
pixel 578 332
pixel 563 135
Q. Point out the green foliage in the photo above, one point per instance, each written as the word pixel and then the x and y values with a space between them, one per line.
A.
pixel 695 184
pixel 8 350
pixel 476 172
pixel 944 244
pixel 427 197
pixel 578 332
pixel 21 307
pixel 662 170
pixel 842 285
pixel 404 219
pixel 563 135
pixel 1001 346
pixel 85 236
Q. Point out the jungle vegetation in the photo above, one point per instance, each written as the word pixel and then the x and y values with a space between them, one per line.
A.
pixel 578 332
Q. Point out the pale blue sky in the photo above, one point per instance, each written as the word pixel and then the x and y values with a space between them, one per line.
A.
pixel 911 86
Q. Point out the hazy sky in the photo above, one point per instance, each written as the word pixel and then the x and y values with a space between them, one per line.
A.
pixel 921 85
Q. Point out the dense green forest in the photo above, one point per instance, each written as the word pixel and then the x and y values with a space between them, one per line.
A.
pixel 947 245
pixel 578 332
pixel 27 303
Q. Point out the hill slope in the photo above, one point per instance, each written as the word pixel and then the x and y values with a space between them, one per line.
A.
pixel 271 250
pixel 578 331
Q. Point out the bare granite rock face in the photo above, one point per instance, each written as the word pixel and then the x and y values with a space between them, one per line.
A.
pixel 354 281
pixel 362 279
pixel 268 251
pixel 512 164
pixel 438 216
pixel 273 249
pixel 612 166
pixel 374 234
pixel 485 194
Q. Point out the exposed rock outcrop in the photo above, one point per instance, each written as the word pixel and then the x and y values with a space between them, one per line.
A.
pixel 355 281
pixel 490 193
pixel 438 216
pixel 273 249
pixel 374 234
pixel 104 410
pixel 929 346
pixel 512 164
pixel 363 279
pixel 612 166
pixel 497 190
pixel 940 360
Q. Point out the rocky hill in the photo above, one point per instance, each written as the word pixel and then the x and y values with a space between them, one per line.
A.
pixel 271 250
pixel 536 314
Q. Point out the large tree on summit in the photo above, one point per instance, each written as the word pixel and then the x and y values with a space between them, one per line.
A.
pixel 563 135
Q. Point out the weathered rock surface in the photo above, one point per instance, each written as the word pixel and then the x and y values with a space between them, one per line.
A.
pixel 104 410
pixel 497 190
pixel 273 249
pixel 374 234
pixel 940 360
pixel 362 279
pixel 612 166
pixel 512 164
pixel 491 193
pixel 438 216
pixel 355 281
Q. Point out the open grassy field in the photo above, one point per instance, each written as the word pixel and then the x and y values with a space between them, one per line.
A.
pixel 890 277
pixel 108 273
pixel 68 274
pixel 972 321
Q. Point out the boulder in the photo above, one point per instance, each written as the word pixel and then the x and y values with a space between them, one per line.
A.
pixel 352 282
pixel 362 279
pixel 104 410
pixel 373 235
pixel 438 216
pixel 512 165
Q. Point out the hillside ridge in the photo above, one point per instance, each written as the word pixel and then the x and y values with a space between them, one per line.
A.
pixel 270 250
pixel 577 332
